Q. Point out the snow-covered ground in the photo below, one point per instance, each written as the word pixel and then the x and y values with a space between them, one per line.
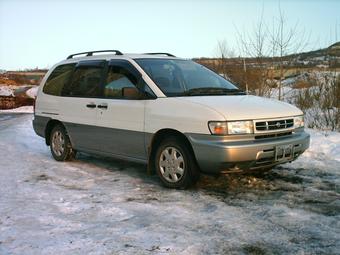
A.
pixel 22 109
pixel 103 206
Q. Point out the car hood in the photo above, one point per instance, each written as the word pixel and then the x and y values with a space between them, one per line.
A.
pixel 246 107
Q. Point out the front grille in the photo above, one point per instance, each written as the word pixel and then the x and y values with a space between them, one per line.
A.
pixel 274 124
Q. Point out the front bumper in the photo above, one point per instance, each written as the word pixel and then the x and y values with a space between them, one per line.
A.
pixel 216 154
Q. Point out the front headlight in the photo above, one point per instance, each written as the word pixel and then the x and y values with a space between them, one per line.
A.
pixel 240 127
pixel 231 127
pixel 299 121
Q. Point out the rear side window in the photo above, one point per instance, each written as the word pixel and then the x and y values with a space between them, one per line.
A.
pixel 57 79
pixel 85 81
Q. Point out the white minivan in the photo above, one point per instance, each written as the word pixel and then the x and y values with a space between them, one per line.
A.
pixel 173 114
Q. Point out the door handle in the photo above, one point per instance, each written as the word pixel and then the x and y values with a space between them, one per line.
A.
pixel 102 106
pixel 91 105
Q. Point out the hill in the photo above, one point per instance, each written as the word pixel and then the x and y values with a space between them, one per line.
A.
pixel 322 58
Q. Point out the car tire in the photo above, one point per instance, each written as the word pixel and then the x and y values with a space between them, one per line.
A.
pixel 60 145
pixel 175 164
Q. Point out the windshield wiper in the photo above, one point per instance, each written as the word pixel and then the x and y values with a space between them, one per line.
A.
pixel 213 91
pixel 235 92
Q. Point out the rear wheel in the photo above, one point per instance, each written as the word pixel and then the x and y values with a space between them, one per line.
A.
pixel 60 144
pixel 175 164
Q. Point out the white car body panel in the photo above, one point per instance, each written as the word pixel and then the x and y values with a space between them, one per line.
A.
pixel 181 115
pixel 121 114
pixel 246 107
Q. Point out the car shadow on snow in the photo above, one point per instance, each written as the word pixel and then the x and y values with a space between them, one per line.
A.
pixel 135 170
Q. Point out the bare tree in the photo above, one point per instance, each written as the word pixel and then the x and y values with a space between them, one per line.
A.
pixel 255 45
pixel 231 67
pixel 285 43
pixel 224 53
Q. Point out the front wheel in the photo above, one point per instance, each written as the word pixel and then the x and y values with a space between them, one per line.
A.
pixel 175 164
pixel 60 144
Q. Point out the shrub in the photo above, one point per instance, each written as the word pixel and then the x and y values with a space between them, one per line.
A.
pixel 321 102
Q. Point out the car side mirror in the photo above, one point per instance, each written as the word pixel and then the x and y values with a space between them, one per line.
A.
pixel 131 93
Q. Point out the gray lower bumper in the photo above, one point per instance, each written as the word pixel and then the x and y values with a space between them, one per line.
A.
pixel 216 154
pixel 39 125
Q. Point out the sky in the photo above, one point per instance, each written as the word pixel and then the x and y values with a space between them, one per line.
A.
pixel 41 33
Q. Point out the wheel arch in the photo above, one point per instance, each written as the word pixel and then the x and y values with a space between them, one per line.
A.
pixel 50 125
pixel 156 140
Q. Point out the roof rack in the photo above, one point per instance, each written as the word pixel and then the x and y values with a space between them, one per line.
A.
pixel 90 53
pixel 160 53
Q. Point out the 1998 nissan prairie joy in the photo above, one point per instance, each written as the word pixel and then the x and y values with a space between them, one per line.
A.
pixel 173 114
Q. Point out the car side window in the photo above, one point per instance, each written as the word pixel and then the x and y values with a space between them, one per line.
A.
pixel 121 83
pixel 85 82
pixel 57 79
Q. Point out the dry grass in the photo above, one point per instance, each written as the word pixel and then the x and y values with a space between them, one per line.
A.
pixel 7 82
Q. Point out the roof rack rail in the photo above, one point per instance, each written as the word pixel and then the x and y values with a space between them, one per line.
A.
pixel 90 53
pixel 160 53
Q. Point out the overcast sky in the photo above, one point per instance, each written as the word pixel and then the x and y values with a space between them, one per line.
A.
pixel 41 33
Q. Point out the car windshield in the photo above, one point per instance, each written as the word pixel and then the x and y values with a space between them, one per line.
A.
pixel 186 78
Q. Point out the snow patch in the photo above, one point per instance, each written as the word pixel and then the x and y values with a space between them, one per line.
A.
pixel 324 143
pixel 22 109
pixel 6 91
pixel 32 92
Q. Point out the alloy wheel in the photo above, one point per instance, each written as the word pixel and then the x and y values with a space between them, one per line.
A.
pixel 171 164
pixel 58 143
